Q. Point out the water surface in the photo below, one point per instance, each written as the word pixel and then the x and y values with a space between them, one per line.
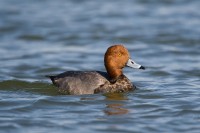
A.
pixel 43 37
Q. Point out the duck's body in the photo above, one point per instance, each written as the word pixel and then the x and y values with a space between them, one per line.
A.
pixel 90 82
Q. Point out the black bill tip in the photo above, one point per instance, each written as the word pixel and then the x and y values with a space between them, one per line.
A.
pixel 143 68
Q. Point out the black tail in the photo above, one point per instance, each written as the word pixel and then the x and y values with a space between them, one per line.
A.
pixel 52 78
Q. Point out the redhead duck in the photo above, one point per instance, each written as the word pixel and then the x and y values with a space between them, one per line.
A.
pixel 91 82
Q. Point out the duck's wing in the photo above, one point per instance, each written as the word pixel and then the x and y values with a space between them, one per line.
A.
pixel 79 82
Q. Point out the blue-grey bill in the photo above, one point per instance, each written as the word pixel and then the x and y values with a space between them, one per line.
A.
pixel 133 64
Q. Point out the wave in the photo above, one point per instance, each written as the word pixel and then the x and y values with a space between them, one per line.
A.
pixel 35 87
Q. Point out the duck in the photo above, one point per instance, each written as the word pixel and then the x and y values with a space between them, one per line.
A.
pixel 92 82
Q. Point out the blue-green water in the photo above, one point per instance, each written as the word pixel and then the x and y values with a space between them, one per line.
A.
pixel 43 37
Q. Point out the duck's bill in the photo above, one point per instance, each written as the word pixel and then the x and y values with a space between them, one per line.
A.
pixel 133 64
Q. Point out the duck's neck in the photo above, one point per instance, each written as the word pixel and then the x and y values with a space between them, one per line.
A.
pixel 114 74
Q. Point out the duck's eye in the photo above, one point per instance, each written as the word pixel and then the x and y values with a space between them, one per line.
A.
pixel 119 54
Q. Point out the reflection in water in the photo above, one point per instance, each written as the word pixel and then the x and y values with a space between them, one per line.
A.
pixel 114 108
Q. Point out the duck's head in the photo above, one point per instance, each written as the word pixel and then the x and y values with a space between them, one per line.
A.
pixel 116 58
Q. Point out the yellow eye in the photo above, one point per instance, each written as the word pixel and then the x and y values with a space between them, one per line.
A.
pixel 119 54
